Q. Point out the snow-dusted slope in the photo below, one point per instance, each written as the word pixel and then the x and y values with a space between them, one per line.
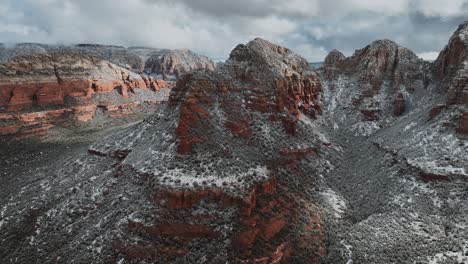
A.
pixel 402 174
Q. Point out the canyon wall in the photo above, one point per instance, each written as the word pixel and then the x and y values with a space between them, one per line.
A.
pixel 40 91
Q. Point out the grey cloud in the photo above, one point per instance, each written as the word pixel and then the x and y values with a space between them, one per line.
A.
pixel 214 27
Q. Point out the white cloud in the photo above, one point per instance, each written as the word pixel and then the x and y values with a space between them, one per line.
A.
pixel 429 56
pixel 441 8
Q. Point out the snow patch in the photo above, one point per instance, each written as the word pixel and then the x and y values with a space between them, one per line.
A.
pixel 441 258
pixel 408 127
pixel 336 202
pixel 431 166
pixel 348 252
pixel 365 128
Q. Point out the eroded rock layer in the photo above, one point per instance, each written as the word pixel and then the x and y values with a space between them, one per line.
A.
pixel 451 67
pixel 43 90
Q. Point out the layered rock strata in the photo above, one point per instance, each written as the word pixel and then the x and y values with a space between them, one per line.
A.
pixel 43 90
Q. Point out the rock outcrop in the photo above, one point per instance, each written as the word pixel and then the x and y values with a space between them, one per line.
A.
pixel 451 73
pixel 451 67
pixel 375 85
pixel 401 125
pixel 46 89
pixel 171 64
pixel 332 63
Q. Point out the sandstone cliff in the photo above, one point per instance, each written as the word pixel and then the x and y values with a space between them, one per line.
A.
pixel 451 67
pixel 41 90
pixel 403 166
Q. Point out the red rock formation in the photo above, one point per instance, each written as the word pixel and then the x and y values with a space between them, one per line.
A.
pixel 451 67
pixel 451 72
pixel 45 90
pixel 332 63
pixel 436 110
pixel 399 106
pixel 239 128
pixel 212 185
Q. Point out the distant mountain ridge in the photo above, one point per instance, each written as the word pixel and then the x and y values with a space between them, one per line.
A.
pixel 163 63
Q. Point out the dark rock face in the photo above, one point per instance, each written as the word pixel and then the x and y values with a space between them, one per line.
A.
pixel 383 60
pixel 331 64
pixel 451 72
pixel 463 124
pixel 451 67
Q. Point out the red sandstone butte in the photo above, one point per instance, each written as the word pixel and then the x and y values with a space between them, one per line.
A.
pixel 223 180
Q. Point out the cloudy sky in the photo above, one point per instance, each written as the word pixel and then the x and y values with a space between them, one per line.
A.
pixel 213 27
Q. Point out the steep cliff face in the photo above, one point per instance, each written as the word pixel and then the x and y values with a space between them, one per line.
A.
pixel 451 67
pixel 375 85
pixel 42 90
pixel 451 71
pixel 170 64
pixel 222 173
pixel 386 88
